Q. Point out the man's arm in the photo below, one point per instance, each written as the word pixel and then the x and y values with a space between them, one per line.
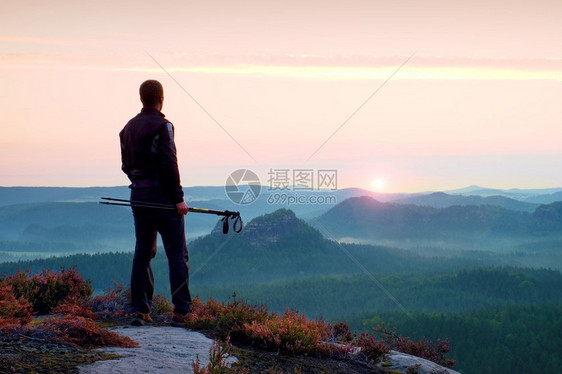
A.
pixel 124 157
pixel 169 172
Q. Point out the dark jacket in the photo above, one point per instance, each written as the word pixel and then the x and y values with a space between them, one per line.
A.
pixel 148 154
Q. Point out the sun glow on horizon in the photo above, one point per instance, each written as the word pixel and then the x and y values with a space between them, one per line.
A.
pixel 378 184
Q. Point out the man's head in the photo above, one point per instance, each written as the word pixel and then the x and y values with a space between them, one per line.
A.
pixel 151 94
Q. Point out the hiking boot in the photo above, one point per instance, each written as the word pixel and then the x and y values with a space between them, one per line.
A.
pixel 179 319
pixel 140 319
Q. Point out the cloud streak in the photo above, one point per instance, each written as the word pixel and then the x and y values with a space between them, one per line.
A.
pixel 298 66
pixel 364 72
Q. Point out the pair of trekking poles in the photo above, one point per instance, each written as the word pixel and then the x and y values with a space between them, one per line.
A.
pixel 226 214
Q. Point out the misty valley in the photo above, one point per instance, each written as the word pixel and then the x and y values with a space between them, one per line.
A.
pixel 479 267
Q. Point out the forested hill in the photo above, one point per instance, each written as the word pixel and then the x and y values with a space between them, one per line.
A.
pixel 280 246
pixel 367 218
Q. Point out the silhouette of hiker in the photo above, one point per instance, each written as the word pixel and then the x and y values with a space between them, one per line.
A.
pixel 148 155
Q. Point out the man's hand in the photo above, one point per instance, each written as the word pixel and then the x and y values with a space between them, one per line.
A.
pixel 182 208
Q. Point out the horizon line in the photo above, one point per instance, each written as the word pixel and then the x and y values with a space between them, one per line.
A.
pixel 288 190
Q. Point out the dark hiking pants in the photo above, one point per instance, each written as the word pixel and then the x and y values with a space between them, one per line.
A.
pixel 148 223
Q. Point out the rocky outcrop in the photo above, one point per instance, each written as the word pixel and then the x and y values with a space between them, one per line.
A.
pixel 161 350
pixel 409 364
pixel 173 350
pixel 264 231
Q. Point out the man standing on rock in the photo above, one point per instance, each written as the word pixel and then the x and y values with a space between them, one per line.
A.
pixel 148 155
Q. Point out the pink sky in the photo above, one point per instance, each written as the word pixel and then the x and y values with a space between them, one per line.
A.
pixel 478 103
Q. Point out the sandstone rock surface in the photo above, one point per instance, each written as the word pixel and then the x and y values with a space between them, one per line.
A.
pixel 401 362
pixel 161 350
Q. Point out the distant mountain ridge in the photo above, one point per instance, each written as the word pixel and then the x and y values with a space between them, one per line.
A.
pixel 69 218
pixel 367 218
pixel 26 195
pixel 443 200
pixel 483 191
pixel 537 195
pixel 22 195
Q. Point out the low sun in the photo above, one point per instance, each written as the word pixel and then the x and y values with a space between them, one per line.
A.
pixel 377 184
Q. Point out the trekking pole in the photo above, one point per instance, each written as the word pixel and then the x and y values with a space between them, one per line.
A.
pixel 237 226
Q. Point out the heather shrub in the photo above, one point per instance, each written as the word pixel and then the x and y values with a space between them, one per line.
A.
pixel 341 333
pixel 84 333
pixel 424 348
pixel 49 289
pixel 75 308
pixel 224 319
pixel 13 310
pixel 218 354
pixel 433 351
pixel 374 349
pixel 290 333
pixel 20 284
pixel 113 304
